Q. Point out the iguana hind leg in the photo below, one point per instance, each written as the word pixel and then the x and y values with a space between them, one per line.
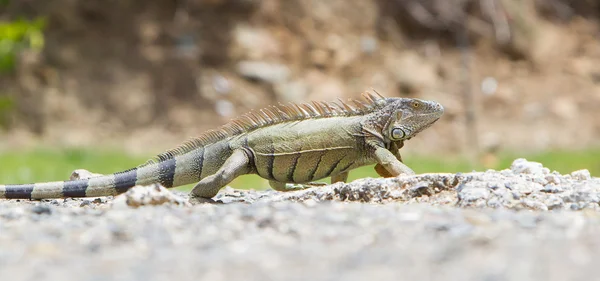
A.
pixel 236 165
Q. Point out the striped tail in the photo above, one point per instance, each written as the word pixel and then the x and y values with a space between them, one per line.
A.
pixel 113 184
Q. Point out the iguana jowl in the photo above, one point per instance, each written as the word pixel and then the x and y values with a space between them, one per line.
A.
pixel 286 144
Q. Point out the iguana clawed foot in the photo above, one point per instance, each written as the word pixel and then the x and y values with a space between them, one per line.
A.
pixel 236 165
pixel 381 171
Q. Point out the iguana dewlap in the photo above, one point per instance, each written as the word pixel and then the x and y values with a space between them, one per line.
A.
pixel 287 145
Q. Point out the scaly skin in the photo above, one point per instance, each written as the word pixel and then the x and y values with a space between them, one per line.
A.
pixel 291 146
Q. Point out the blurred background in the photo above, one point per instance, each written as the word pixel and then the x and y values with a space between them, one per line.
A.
pixel 105 84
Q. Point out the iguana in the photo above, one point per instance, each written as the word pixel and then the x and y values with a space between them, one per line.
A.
pixel 289 145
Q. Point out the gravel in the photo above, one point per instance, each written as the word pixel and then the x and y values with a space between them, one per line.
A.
pixel 522 223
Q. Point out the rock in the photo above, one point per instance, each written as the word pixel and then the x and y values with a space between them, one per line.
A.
pixel 473 194
pixel 522 166
pixel 421 188
pixel 535 205
pixel 81 174
pixel 155 194
pixel 41 209
pixel 269 72
pixel 550 188
pixel 524 188
pixel 553 179
pixel 554 202
pixel 581 175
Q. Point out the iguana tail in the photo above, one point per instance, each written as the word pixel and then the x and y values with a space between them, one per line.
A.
pixel 163 172
pixel 169 170
pixel 112 184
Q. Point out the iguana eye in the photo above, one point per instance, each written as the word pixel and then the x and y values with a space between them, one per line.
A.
pixel 416 104
pixel 398 134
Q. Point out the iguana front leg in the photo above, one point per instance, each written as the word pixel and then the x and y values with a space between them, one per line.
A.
pixel 395 149
pixel 388 164
pixel 341 177
pixel 236 165
pixel 382 172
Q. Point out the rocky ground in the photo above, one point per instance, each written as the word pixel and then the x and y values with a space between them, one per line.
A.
pixel 522 223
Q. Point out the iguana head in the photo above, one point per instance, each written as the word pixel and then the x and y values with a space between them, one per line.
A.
pixel 409 117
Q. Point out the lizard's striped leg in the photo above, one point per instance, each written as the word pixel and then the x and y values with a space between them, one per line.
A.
pixel 382 171
pixel 392 165
pixel 394 149
pixel 236 165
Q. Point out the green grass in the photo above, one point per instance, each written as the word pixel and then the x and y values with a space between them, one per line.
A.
pixel 42 164
pixel 52 165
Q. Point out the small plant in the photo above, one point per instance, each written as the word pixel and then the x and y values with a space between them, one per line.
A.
pixel 19 35
pixel 16 36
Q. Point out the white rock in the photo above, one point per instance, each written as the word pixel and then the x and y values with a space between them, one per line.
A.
pixel 535 205
pixel 581 175
pixel 154 194
pixel 553 179
pixel 474 194
pixel 81 174
pixel 522 166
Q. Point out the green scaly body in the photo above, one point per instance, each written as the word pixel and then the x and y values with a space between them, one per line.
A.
pixel 291 144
